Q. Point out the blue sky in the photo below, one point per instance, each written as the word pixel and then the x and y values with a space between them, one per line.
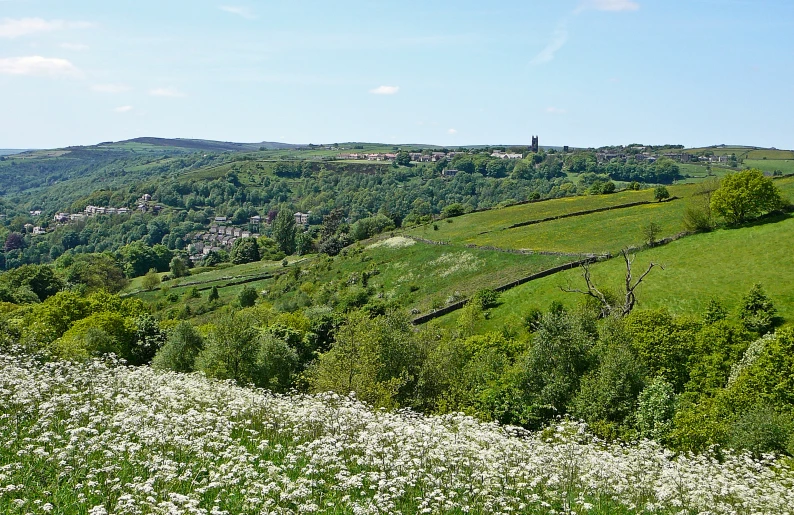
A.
pixel 579 72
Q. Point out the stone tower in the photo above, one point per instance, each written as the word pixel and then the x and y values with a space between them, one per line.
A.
pixel 535 144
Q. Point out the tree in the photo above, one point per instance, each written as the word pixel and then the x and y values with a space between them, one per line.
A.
pixel 606 304
pixel 39 279
pixel 231 349
pixel 245 250
pixel 756 310
pixel 213 296
pixel 151 280
pixel 14 241
pixel 180 350
pixel 651 232
pixel 403 158
pixel 247 297
pixel 745 195
pixel 285 231
pixel 661 193
pixel 178 267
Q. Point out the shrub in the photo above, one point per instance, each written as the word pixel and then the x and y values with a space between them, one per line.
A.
pixel 247 297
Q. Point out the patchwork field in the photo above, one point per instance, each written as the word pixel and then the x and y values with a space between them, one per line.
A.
pixel 723 264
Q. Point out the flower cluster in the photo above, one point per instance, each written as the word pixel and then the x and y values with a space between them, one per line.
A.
pixel 100 438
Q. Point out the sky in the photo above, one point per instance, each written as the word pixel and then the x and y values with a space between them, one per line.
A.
pixel 574 72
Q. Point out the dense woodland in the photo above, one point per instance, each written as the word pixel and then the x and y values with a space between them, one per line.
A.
pixel 722 377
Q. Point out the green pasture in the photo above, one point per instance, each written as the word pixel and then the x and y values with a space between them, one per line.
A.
pixel 723 264
pixel 464 229
pixel 608 231
pixel 768 165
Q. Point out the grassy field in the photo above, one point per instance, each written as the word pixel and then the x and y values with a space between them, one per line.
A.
pixel 723 264
pixel 767 165
pixel 597 233
pixel 464 229
pixel 422 276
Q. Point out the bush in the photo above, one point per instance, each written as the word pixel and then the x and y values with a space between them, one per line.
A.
pixel 756 311
pixel 247 297
pixel 763 430
pixel 661 193
pixel 180 350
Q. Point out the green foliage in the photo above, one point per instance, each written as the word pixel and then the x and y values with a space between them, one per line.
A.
pixel 276 364
pixel 151 280
pixel 762 430
pixel 607 397
pixel 285 231
pixel 745 195
pixel 231 349
pixel 99 333
pixel 663 344
pixel 655 409
pixel 375 359
pixel 178 267
pixel 39 279
pixel 180 350
pixel 756 310
pixel 245 250
pixel 213 296
pixel 661 193
pixel 485 298
pixel 651 232
pixel 558 357
pixel 94 271
pixel 715 312
pixel 247 297
pixel 453 210
pixel 369 227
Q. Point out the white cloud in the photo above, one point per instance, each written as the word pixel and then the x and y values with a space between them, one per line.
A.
pixel 166 92
pixel 123 109
pixel 110 88
pixel 385 90
pixel 239 11
pixel 74 46
pixel 37 65
pixel 608 5
pixel 14 28
pixel 555 110
pixel 558 40
pixel 452 131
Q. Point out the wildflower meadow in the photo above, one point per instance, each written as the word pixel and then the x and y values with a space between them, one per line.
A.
pixel 101 438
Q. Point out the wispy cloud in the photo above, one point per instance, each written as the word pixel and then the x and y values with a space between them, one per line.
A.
pixel 110 88
pixel 607 5
pixel 555 110
pixel 385 90
pixel 558 40
pixel 452 131
pixel 38 66
pixel 16 27
pixel 166 92
pixel 245 12
pixel 78 47
pixel 123 109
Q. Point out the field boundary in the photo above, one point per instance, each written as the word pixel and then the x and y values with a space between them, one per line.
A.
pixel 582 213
pixel 518 282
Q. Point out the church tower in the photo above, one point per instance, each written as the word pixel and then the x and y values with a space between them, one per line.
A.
pixel 535 144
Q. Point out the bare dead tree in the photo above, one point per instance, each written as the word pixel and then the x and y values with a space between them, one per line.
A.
pixel 629 299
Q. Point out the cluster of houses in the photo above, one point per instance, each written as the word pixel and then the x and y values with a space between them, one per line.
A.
pixel 504 155
pixel 144 206
pixel 221 236
pixel 218 237
pixel 416 157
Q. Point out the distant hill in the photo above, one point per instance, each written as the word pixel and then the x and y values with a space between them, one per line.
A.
pixel 11 151
pixel 208 145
